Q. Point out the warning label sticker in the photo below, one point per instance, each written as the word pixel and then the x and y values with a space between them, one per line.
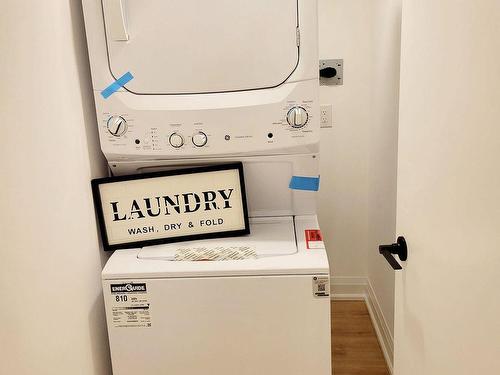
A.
pixel 130 307
pixel 314 239
pixel 321 286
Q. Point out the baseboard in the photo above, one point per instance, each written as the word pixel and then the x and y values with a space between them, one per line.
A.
pixel 348 288
pixel 380 324
pixel 360 288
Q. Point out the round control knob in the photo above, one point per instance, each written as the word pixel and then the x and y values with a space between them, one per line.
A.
pixel 297 117
pixel 200 139
pixel 117 126
pixel 176 140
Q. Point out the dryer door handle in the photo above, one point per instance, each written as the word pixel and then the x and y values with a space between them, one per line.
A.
pixel 114 16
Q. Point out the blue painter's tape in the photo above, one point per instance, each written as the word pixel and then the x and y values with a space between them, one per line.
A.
pixel 304 183
pixel 116 85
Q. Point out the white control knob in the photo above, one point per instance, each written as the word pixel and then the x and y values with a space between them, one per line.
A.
pixel 117 126
pixel 297 117
pixel 176 140
pixel 200 139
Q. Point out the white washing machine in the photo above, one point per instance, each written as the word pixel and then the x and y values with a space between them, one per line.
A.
pixel 211 82
pixel 269 315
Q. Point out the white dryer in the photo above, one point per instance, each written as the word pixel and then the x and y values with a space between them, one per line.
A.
pixel 210 78
pixel 214 82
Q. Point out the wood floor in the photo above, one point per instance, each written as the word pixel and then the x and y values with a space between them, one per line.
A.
pixel 355 349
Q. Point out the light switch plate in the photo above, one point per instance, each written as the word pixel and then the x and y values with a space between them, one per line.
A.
pixel 326 116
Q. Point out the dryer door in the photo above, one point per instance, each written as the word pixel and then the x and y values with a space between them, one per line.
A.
pixel 199 46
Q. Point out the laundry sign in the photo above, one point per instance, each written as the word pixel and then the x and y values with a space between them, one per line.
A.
pixel 178 205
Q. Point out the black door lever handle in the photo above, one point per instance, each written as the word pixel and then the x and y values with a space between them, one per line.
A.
pixel 398 248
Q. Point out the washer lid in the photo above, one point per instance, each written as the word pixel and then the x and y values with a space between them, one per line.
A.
pixel 199 46
pixel 272 236
pixel 126 264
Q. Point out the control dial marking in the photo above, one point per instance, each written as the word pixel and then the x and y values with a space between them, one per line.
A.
pixel 176 140
pixel 297 117
pixel 199 139
pixel 117 126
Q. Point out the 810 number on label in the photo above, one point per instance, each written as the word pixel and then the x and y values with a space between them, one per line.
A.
pixel 121 298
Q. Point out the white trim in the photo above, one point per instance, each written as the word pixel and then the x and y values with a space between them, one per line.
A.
pixel 348 288
pixel 381 327
pixel 360 288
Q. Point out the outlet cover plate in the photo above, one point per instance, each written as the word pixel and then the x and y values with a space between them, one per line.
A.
pixel 338 65
pixel 326 116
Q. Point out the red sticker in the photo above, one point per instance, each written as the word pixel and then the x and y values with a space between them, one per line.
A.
pixel 314 239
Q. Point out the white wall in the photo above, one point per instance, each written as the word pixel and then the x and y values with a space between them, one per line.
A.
pixel 383 151
pixel 359 155
pixel 344 32
pixel 51 309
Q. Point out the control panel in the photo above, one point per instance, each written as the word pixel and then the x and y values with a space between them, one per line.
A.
pixel 297 117
pixel 289 125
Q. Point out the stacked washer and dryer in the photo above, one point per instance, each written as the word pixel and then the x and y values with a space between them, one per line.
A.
pixel 216 82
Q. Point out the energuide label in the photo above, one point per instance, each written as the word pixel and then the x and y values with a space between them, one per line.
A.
pixel 321 286
pixel 314 239
pixel 130 307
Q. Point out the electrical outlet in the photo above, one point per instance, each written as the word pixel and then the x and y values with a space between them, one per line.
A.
pixel 331 72
pixel 326 116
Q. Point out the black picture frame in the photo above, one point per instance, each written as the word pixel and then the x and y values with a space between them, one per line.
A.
pixel 96 183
